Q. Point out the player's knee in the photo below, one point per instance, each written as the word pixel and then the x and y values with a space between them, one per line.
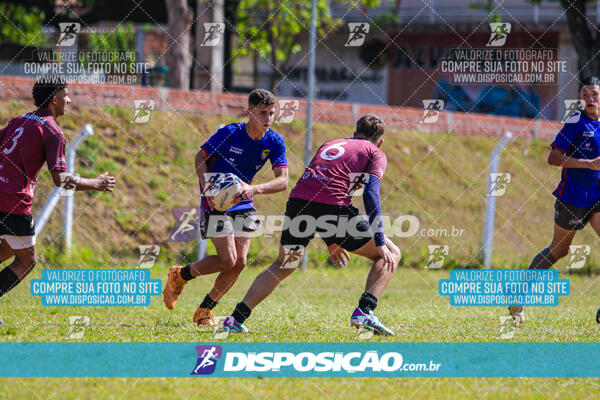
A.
pixel 240 263
pixel 228 260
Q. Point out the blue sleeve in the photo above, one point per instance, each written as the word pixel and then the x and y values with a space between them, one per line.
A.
pixel 278 158
pixel 373 208
pixel 566 137
pixel 217 141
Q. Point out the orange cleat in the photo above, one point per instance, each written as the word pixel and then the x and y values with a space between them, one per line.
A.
pixel 204 316
pixel 174 286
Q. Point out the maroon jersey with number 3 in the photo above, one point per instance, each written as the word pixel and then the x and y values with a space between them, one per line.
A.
pixel 328 177
pixel 26 144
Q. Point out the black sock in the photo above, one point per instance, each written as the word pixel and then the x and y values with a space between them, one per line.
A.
pixel 208 302
pixel 8 280
pixel 543 260
pixel 241 312
pixel 367 302
pixel 186 273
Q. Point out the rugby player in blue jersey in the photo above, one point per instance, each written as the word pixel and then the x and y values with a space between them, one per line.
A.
pixel 242 149
pixel 577 150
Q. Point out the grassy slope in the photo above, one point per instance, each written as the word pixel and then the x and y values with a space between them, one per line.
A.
pixel 444 188
pixel 153 163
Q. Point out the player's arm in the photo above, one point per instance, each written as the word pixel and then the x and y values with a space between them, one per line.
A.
pixel 558 158
pixel 277 184
pixel 201 168
pixel 70 181
pixel 372 201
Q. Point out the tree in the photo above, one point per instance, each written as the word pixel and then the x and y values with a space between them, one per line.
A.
pixel 586 41
pixel 273 29
pixel 179 58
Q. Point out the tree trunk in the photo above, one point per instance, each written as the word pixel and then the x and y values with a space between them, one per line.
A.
pixel 584 43
pixel 179 58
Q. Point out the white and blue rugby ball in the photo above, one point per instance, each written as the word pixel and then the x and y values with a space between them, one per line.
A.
pixel 224 190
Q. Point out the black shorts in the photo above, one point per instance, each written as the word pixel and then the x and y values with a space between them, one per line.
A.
pixel 16 225
pixel 346 226
pixel 222 223
pixel 572 217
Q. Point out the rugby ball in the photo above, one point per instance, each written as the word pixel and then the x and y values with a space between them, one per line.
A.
pixel 224 189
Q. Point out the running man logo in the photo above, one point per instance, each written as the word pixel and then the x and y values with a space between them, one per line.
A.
pixel 148 255
pixel 293 254
pixel 186 224
pixel 142 111
pixel 68 33
pixel 357 183
pixel 437 255
pixel 579 254
pixel 358 33
pixel 508 327
pixel 77 326
pixel 573 109
pixel 500 31
pixel 213 31
pixel 498 184
pixel 287 110
pixel 431 111
pixel 216 331
pixel 67 184
pixel 207 359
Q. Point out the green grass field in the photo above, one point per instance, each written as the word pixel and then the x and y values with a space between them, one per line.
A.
pixel 439 178
pixel 312 306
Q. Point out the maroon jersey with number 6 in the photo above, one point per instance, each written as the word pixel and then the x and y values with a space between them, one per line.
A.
pixel 26 143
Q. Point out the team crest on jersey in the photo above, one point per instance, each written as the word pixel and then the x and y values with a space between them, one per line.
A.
pixel 265 153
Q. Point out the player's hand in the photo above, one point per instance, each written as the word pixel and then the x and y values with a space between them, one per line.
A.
pixel 388 260
pixel 594 164
pixel 105 182
pixel 205 192
pixel 246 192
pixel 338 255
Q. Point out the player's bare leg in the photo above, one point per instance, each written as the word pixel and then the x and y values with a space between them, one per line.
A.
pixel 15 272
pixel 377 280
pixel 264 284
pixel 6 251
pixel 225 280
pixel 179 275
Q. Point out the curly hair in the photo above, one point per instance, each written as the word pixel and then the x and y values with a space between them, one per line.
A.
pixel 45 88
pixel 261 96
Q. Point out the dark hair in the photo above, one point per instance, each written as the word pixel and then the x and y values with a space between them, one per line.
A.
pixel 590 81
pixel 46 87
pixel 370 126
pixel 261 96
